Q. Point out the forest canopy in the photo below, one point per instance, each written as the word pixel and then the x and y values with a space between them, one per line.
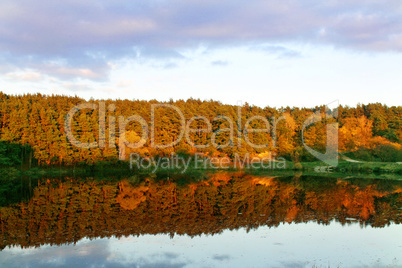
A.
pixel 370 132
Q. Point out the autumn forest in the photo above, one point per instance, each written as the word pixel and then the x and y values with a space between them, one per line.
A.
pixel 33 127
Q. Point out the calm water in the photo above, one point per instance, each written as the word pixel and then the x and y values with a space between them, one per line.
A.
pixel 224 220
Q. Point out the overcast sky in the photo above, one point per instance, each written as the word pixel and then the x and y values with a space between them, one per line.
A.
pixel 268 53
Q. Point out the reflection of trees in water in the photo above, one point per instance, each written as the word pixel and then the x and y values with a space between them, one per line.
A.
pixel 131 197
pixel 65 212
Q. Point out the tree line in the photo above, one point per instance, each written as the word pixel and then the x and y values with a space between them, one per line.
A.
pixel 369 132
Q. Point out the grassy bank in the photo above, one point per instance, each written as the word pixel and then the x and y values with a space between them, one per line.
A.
pixel 348 167
pixel 120 169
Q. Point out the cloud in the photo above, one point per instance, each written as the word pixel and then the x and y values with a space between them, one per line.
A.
pixel 28 76
pixel 76 87
pixel 219 63
pixel 95 253
pixel 221 257
pixel 171 255
pixel 75 72
pixel 280 51
pixel 124 83
pixel 83 37
pixel 294 264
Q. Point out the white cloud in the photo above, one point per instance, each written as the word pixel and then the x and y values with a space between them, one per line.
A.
pixel 27 76
pixel 124 83
pixel 76 87
pixel 219 63
pixel 85 73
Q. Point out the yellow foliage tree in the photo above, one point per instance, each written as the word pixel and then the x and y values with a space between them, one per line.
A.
pixel 355 133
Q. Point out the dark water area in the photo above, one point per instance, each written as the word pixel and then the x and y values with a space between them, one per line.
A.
pixel 220 220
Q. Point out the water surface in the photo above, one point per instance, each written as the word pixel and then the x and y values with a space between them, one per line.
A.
pixel 228 219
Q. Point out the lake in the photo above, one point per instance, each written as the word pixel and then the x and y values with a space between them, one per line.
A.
pixel 218 220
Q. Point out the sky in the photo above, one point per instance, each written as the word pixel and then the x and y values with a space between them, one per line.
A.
pixel 267 53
